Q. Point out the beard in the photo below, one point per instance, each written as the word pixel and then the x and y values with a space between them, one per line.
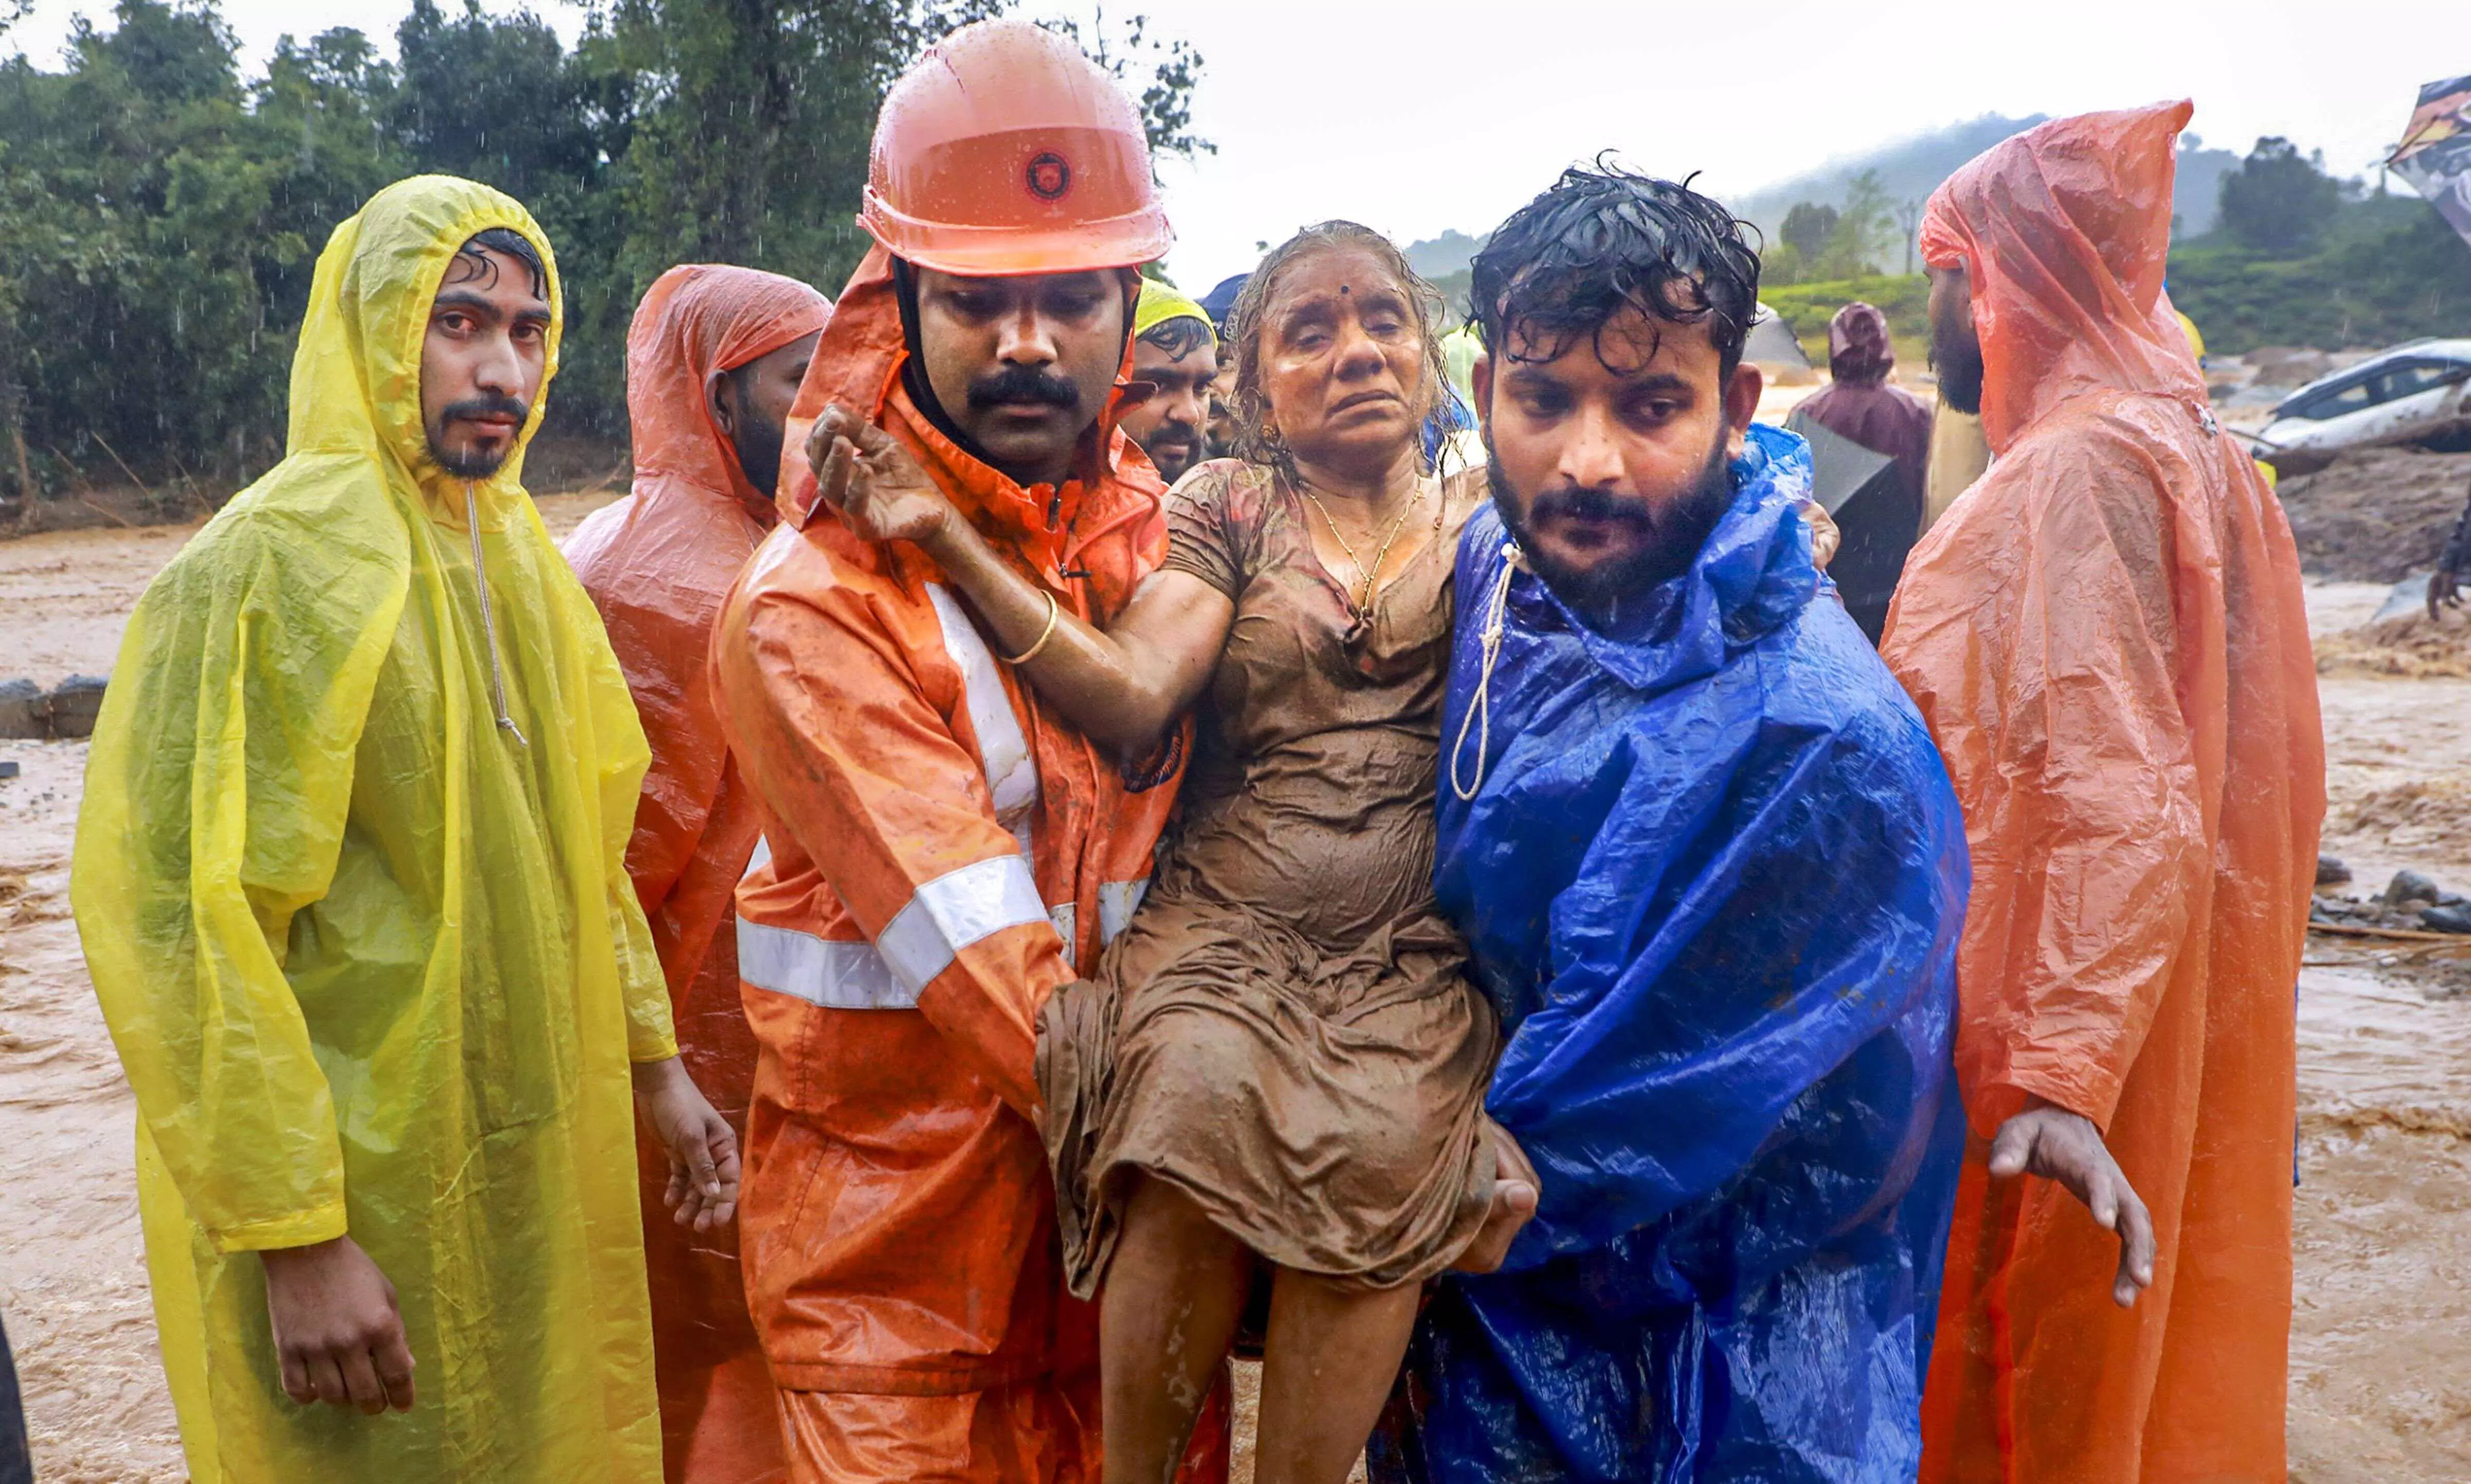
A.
pixel 1673 540
pixel 757 441
pixel 1174 448
pixel 474 464
pixel 1958 361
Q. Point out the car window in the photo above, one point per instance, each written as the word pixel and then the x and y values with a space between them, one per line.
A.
pixel 2334 404
pixel 2418 376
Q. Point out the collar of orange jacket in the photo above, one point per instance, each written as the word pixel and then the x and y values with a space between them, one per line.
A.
pixel 698 319
pixel 2063 229
pixel 859 363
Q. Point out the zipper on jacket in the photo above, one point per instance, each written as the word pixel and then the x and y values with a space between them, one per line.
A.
pixel 488 623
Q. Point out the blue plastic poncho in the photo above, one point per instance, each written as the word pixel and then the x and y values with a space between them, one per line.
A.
pixel 1713 877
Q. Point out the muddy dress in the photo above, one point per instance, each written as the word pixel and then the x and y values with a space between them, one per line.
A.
pixel 1283 1032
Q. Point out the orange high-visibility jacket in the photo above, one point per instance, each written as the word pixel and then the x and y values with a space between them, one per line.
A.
pixel 657 564
pixel 944 852
pixel 2108 637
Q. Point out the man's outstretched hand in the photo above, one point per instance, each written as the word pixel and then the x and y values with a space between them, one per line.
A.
pixel 702 1150
pixel 1515 1192
pixel 338 1333
pixel 2049 1140
pixel 866 474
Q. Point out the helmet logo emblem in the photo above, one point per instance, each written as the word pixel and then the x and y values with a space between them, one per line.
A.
pixel 1048 177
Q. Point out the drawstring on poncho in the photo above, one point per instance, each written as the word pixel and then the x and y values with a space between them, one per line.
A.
pixel 488 623
pixel 1479 714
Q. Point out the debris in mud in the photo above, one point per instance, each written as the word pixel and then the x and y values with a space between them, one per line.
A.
pixel 67 711
pixel 2419 812
pixel 2406 643
pixel 2379 514
pixel 2413 902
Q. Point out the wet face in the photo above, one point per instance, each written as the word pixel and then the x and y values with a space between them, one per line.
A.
pixel 481 361
pixel 1023 364
pixel 1169 424
pixel 1342 359
pixel 1956 349
pixel 1219 432
pixel 750 405
pixel 1610 457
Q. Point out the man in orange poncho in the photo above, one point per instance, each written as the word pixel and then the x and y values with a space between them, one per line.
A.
pixel 945 850
pixel 2107 638
pixel 713 362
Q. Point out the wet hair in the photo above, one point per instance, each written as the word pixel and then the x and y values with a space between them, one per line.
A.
pixel 1255 440
pixel 514 245
pixel 1179 336
pixel 1605 240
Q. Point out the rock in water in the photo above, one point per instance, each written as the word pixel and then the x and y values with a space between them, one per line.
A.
pixel 22 712
pixel 75 702
pixel 2411 887
pixel 2331 871
pixel 2446 919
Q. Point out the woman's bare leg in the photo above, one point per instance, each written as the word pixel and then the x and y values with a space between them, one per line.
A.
pixel 1175 1292
pixel 1331 1357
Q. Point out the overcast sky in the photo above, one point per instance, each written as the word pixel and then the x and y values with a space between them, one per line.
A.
pixel 1414 117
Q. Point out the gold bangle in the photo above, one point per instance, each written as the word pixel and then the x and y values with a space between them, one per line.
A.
pixel 1044 635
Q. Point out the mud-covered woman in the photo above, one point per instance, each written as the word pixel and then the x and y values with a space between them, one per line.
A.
pixel 1280 1062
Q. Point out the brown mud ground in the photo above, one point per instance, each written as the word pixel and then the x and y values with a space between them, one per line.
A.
pixel 2381 1339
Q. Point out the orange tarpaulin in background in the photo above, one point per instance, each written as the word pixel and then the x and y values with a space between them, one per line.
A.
pixel 658 564
pixel 2107 638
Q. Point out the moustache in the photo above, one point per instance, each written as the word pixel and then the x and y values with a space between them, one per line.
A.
pixel 1016 384
pixel 1570 501
pixel 494 406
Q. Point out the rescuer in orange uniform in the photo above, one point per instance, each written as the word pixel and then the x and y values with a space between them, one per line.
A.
pixel 713 361
pixel 944 851
pixel 2108 637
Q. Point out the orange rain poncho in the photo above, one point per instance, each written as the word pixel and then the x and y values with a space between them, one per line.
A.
pixel 945 851
pixel 2107 638
pixel 658 564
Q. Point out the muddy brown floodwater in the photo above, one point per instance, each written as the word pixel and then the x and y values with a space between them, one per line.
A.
pixel 2381 1339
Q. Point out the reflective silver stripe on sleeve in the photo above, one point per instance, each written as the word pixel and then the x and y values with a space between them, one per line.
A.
pixel 828 972
pixel 1118 901
pixel 1067 919
pixel 1003 752
pixel 955 910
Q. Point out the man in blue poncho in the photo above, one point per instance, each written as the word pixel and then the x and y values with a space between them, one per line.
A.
pixel 1713 877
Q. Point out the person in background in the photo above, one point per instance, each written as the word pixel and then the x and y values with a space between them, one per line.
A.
pixel 1220 305
pixel 713 360
pixel 945 850
pixel 1712 877
pixel 1175 354
pixel 1879 524
pixel 2108 639
pixel 351 880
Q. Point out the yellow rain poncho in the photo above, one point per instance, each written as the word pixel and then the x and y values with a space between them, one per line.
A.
pixel 373 965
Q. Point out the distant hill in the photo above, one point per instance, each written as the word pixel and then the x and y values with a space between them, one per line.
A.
pixel 1910 168
pixel 1440 257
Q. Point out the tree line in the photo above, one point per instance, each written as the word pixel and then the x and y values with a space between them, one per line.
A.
pixel 2296 257
pixel 161 212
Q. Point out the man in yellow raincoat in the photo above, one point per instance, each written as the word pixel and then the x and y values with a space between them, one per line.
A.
pixel 350 880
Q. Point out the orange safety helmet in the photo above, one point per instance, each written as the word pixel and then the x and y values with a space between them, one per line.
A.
pixel 1005 151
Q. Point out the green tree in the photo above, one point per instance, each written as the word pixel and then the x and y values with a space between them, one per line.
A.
pixel 1808 228
pixel 2279 200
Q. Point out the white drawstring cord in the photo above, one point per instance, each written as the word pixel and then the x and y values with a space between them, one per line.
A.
pixel 488 624
pixel 1479 714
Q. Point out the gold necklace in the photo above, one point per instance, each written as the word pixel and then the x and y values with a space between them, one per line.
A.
pixel 1364 607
